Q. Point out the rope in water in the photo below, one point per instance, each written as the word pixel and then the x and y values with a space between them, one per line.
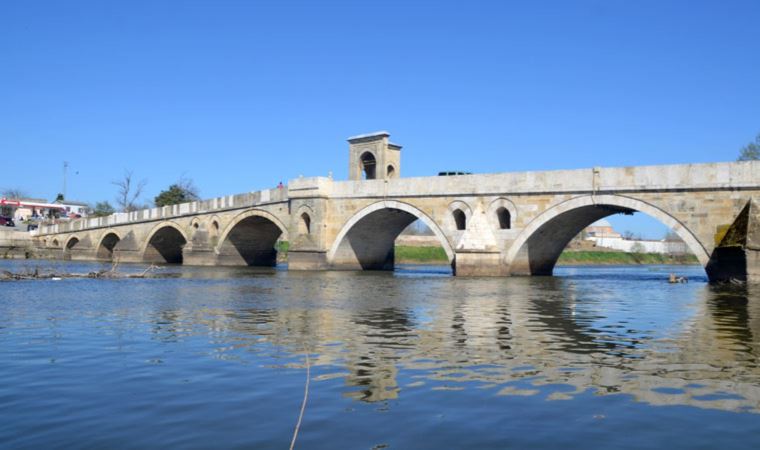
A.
pixel 305 397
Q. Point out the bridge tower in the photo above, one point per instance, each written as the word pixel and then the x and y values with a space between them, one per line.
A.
pixel 373 157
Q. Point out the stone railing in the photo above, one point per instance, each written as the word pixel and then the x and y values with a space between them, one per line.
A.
pixel 732 175
pixel 228 202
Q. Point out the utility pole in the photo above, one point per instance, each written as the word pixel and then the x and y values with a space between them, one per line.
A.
pixel 65 169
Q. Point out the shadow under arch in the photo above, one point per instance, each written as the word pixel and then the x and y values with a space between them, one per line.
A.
pixel 106 246
pixel 249 240
pixel 164 244
pixel 366 240
pixel 536 249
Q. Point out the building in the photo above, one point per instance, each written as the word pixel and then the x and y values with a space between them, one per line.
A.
pixel 29 208
pixel 603 235
pixel 600 230
pixel 23 209
pixel 73 208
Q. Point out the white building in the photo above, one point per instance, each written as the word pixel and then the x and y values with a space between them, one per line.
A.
pixel 603 235
pixel 73 208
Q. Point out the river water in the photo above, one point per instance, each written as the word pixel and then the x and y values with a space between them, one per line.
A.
pixel 216 358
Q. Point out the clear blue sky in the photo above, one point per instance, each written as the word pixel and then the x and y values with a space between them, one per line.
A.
pixel 240 95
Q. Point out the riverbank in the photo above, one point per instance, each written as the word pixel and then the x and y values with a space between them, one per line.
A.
pixel 420 255
pixel 596 257
pixel 436 255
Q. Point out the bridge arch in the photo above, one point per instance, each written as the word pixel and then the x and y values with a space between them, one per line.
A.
pixel 366 240
pixel 537 247
pixel 250 238
pixel 164 244
pixel 106 246
pixel 71 242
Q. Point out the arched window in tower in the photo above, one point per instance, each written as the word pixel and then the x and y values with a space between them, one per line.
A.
pixel 505 219
pixel 460 219
pixel 304 226
pixel 368 165
pixel 391 172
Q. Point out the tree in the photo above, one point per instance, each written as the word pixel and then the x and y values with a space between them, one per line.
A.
pixel 182 191
pixel 638 247
pixel 672 236
pixel 59 197
pixel 751 151
pixel 129 191
pixel 14 193
pixel 103 209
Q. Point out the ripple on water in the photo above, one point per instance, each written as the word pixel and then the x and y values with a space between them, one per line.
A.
pixel 215 358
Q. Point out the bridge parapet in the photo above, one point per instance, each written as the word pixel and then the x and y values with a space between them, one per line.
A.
pixel 732 175
pixel 229 202
pixel 310 187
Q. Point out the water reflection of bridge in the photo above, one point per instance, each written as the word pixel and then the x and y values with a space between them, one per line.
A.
pixel 519 338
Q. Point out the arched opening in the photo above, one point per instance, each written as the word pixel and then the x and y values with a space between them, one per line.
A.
pixel 460 219
pixel 55 243
pixel 391 171
pixel 214 233
pixel 165 246
pixel 504 218
pixel 368 165
pixel 304 225
pixel 250 242
pixel 69 246
pixel 537 249
pixel 368 240
pixel 107 246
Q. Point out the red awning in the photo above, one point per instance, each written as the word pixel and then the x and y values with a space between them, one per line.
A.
pixel 20 203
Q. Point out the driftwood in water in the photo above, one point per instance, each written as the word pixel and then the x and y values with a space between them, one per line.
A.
pixel 36 274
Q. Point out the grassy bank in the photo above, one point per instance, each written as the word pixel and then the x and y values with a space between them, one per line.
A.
pixel 436 255
pixel 432 255
pixel 593 257
pixel 411 255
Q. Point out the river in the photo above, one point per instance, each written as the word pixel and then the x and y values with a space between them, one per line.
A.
pixel 595 357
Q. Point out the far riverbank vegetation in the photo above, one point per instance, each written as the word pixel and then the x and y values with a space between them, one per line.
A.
pixel 406 254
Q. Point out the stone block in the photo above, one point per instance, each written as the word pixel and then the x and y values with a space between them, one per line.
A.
pixel 479 264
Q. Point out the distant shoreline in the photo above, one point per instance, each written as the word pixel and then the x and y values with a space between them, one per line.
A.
pixel 436 255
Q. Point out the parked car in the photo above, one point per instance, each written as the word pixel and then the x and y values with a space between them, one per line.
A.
pixel 6 222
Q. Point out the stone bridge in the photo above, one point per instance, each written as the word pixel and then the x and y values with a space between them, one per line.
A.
pixel 488 224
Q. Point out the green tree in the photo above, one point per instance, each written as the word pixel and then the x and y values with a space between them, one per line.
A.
pixel 182 191
pixel 751 151
pixel 102 209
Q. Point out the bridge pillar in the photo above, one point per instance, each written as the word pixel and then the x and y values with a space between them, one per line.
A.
pixel 307 260
pixel 477 250
pixel 737 255
pixel 80 254
pixel 81 250
pixel 128 250
pixel 308 223
pixel 199 251
pixel 476 263
pixel 193 256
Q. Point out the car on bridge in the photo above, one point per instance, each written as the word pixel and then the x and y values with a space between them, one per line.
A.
pixel 452 173
pixel 6 222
